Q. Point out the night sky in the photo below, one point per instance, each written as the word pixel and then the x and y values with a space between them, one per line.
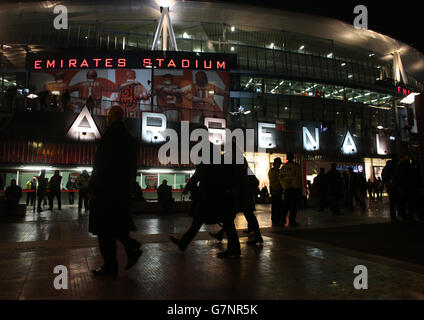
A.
pixel 401 20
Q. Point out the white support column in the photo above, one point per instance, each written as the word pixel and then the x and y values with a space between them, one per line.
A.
pixel 164 27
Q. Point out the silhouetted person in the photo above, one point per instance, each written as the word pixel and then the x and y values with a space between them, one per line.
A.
pixel 32 188
pixel 82 182
pixel 56 190
pixel 13 195
pixel 276 192
pixel 388 175
pixel 71 186
pixel 111 183
pixel 322 186
pixel 137 193
pixel 165 197
pixel 244 190
pixel 42 188
pixel 291 181
pixel 335 188
pixel 403 183
pixel 214 204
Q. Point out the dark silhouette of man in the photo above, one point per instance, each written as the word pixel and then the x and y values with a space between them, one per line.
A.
pixel 335 188
pixel 13 195
pixel 276 191
pixel 111 184
pixel 56 189
pixel 244 191
pixel 214 204
pixel 321 182
pixel 82 182
pixel 388 175
pixel 291 181
pixel 165 196
pixel 42 188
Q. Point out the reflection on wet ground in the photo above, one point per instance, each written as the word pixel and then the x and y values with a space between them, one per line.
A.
pixel 283 268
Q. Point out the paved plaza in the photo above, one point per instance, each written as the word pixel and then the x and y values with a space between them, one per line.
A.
pixel 285 267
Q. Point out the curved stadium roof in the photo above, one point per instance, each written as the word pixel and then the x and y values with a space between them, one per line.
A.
pixel 133 15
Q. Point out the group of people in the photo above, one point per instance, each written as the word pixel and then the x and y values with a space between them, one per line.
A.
pixel 286 190
pixel 401 177
pixel 52 189
pixel 334 187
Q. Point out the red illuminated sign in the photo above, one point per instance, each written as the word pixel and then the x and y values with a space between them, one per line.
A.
pixel 403 91
pixel 133 60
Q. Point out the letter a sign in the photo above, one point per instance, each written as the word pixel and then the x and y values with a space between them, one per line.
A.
pixel 349 146
pixel 84 127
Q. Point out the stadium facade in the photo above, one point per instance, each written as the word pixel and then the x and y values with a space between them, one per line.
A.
pixel 314 86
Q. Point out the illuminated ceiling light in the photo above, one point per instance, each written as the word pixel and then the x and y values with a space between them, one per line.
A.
pixel 233 28
pixel 89 169
pixel 185 35
pixel 372 54
pixel 272 45
pixel 343 64
pixel 281 83
pixel 409 98
pixel 380 127
pixel 165 3
pixel 350 76
pixel 36 168
pixel 330 55
pixel 32 96
pixel 302 47
pixel 392 138
pixel 247 112
pixel 232 48
pixel 358 97
pixel 368 93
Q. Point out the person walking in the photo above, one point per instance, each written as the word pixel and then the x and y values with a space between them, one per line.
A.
pixel 82 183
pixel 110 188
pixel 56 190
pixel 245 190
pixel 42 188
pixel 291 181
pixel 71 186
pixel 214 204
pixel 276 192
pixel 335 188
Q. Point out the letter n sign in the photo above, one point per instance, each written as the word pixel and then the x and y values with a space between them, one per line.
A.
pixel 310 143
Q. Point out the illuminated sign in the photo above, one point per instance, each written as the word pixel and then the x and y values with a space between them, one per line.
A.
pixel 84 127
pixel 130 59
pixel 349 146
pixel 152 124
pixel 310 143
pixel 403 91
pixel 266 139
pixel 216 128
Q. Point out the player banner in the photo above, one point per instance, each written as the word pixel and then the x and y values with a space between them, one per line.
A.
pixel 186 86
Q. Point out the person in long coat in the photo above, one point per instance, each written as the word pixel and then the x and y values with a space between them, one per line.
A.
pixel 110 189
pixel 245 188
pixel 214 204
